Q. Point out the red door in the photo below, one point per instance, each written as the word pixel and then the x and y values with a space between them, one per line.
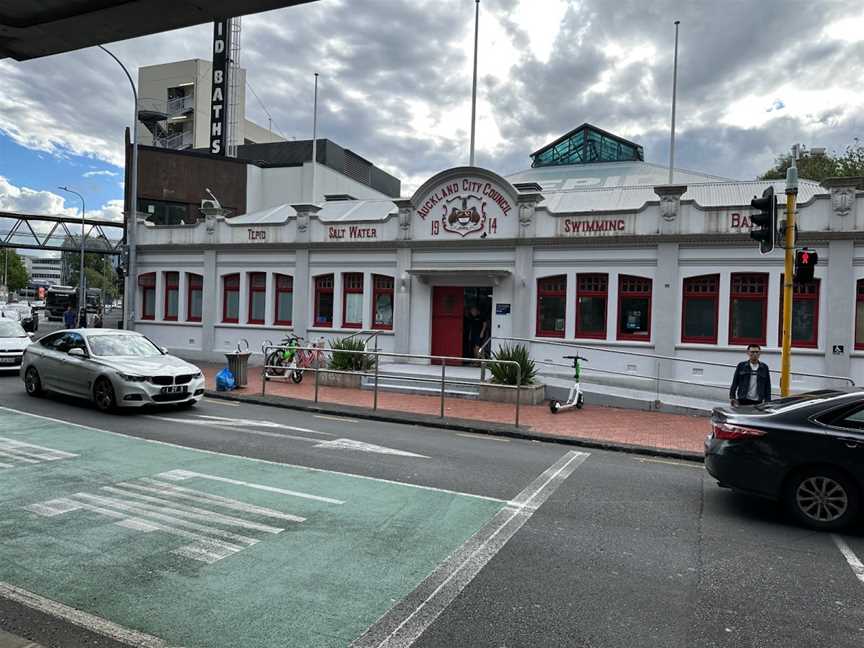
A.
pixel 448 304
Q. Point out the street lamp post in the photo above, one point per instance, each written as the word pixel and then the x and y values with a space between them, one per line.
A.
pixel 82 297
pixel 132 214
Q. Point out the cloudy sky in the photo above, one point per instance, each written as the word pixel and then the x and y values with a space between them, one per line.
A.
pixel 755 76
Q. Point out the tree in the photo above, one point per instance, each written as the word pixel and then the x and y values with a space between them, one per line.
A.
pixel 15 273
pixel 98 271
pixel 818 167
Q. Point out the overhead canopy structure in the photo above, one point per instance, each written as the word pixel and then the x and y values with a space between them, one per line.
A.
pixel 33 28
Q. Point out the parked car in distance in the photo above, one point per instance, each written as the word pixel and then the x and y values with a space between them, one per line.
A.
pixel 806 451
pixel 112 368
pixel 13 340
pixel 23 313
pixel 38 304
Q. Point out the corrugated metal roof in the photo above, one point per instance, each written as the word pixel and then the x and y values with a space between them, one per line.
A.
pixel 609 175
pixel 356 211
pixel 270 216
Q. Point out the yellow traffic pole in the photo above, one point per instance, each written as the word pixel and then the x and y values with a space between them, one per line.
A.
pixel 791 194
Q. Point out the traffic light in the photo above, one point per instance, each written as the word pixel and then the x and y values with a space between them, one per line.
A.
pixel 764 223
pixel 805 263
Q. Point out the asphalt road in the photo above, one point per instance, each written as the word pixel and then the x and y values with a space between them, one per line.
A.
pixel 615 550
pixel 46 326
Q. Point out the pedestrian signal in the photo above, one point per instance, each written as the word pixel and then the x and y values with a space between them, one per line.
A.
pixel 805 263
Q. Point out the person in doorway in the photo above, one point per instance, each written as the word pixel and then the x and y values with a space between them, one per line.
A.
pixel 751 383
pixel 476 325
pixel 69 317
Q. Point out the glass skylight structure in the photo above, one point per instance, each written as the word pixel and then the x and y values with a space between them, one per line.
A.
pixel 585 145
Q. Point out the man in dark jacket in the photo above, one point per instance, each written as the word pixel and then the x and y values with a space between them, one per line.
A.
pixel 751 383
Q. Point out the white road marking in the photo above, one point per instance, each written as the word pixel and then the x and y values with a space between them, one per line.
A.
pixel 341 419
pixel 214 424
pixel 483 437
pixel 854 563
pixel 258 423
pixel 16 457
pixel 15 444
pixel 181 475
pixel 251 459
pixel 404 623
pixel 81 619
pixel 351 444
pixel 18 452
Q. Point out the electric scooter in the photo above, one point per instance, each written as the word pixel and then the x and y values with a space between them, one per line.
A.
pixel 576 398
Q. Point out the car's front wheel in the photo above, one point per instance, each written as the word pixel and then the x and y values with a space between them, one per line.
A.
pixel 32 383
pixel 822 498
pixel 103 395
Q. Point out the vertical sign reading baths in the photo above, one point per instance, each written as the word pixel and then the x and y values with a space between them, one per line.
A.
pixel 465 207
pixel 218 121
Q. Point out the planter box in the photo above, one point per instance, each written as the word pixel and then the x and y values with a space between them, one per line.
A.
pixel 346 380
pixel 529 394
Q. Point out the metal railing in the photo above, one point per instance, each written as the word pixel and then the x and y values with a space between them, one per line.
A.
pixel 373 335
pixel 376 373
pixel 658 358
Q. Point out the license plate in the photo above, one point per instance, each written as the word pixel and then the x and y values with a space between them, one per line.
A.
pixel 175 389
pixel 8 360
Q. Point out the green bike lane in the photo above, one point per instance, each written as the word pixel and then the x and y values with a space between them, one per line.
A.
pixel 203 549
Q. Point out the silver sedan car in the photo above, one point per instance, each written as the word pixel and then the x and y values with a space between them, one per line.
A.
pixel 113 368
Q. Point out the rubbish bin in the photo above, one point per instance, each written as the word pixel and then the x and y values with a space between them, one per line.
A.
pixel 238 364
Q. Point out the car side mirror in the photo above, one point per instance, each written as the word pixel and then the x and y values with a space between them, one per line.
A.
pixel 77 352
pixel 164 350
pixel 31 335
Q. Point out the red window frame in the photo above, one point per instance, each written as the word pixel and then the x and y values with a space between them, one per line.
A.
pixel 859 298
pixel 631 286
pixel 230 284
pixel 284 285
pixel 750 286
pixel 382 285
pixel 323 286
pixel 257 284
pixel 555 286
pixel 194 283
pixel 352 283
pixel 801 291
pixel 147 283
pixel 172 282
pixel 592 284
pixel 701 287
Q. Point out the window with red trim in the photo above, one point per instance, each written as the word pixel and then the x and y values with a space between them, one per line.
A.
pixel 194 297
pixel 805 314
pixel 172 296
pixel 257 297
pixel 551 306
pixel 324 300
pixel 634 308
pixel 748 307
pixel 147 282
pixel 859 314
pixel 700 308
pixel 231 298
pixel 284 299
pixel 592 296
pixel 382 302
pixel 352 299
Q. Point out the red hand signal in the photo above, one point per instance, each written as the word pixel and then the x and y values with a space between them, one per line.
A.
pixel 805 258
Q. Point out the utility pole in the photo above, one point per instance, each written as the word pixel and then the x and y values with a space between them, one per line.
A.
pixel 82 295
pixel 674 97
pixel 788 272
pixel 474 85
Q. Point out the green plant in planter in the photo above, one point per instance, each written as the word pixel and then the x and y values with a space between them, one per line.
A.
pixel 342 361
pixel 505 374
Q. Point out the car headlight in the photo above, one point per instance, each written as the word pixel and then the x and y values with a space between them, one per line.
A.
pixel 128 378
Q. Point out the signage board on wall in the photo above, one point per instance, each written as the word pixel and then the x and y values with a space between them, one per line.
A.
pixel 589 226
pixel 219 88
pixel 352 233
pixel 464 207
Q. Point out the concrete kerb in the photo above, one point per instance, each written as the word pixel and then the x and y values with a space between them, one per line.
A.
pixel 460 425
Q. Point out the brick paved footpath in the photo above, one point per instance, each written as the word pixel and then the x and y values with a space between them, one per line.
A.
pixel 606 424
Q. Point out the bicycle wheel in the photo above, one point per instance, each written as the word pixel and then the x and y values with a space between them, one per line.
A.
pixel 275 364
pixel 297 376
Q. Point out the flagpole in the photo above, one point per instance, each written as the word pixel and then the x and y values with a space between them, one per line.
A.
pixel 674 93
pixel 315 140
pixel 474 88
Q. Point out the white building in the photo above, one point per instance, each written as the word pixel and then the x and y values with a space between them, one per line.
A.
pixel 589 246
pixel 174 107
pixel 45 269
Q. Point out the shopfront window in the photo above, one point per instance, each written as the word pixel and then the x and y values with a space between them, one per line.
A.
pixel 382 302
pixel 551 306
pixel 172 295
pixel 592 295
pixel 147 283
pixel 231 298
pixel 284 299
pixel 805 314
pixel 699 309
pixel 748 304
pixel 194 295
pixel 634 308
pixel 257 297
pixel 324 300
pixel 352 299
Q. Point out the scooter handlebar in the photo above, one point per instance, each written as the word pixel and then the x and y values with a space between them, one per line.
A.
pixel 576 357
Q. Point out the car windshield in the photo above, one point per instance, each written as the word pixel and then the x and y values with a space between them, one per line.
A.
pixel 9 328
pixel 122 345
